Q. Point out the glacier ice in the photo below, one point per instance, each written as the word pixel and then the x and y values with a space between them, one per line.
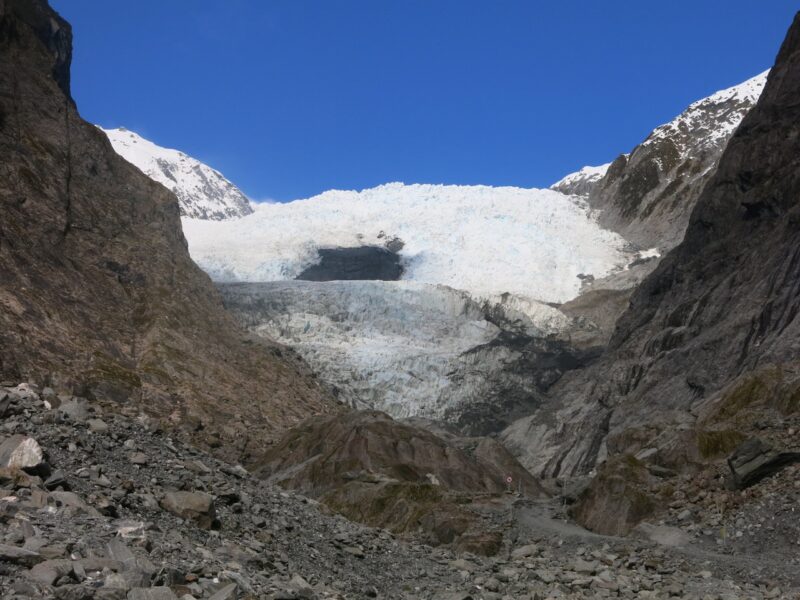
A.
pixel 407 348
pixel 485 240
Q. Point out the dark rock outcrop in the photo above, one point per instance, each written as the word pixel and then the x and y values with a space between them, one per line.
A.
pixel 721 306
pixel 530 367
pixel 617 499
pixel 361 263
pixel 98 294
pixel 753 460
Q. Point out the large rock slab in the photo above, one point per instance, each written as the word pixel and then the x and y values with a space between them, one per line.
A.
pixel 21 452
pixel 616 500
pixel 193 506
pixel 755 459
pixel 18 555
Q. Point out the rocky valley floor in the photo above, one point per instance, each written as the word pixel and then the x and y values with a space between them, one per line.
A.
pixel 103 506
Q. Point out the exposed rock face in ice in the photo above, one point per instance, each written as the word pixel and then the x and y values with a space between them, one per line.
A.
pixel 370 263
pixel 412 349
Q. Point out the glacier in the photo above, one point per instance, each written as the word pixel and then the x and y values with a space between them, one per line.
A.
pixel 412 349
pixel 485 240
pixel 466 337
pixel 473 334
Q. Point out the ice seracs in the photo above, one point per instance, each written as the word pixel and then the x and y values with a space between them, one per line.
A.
pixel 203 192
pixel 408 348
pixel 484 240
pixel 467 333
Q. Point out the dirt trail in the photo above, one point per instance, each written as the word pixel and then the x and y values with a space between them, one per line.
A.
pixel 546 521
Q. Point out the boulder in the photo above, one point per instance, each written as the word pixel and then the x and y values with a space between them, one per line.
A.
pixel 15 478
pixel 525 551
pixel 226 593
pixel 19 555
pixel 138 458
pixel 49 571
pixel 97 426
pixel 617 499
pixel 21 452
pixel 76 410
pixel 73 501
pixel 755 459
pixel 195 506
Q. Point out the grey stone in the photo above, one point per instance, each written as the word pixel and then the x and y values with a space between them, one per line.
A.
pixel 97 426
pixel 21 452
pixel 138 458
pixel 153 593
pixel 196 506
pixel 76 410
pixel 755 459
pixel 72 500
pixel 18 555
pixel 49 571
pixel 226 593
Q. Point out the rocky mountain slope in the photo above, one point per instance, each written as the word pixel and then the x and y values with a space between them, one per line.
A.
pixel 378 471
pixel 707 353
pixel 98 294
pixel 648 194
pixel 203 192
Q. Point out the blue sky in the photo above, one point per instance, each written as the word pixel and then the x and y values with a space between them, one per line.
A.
pixel 290 98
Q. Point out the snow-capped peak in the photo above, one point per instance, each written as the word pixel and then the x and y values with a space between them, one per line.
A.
pixel 203 192
pixel 713 119
pixel 705 125
pixel 580 182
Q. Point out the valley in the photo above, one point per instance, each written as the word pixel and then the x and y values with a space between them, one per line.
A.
pixel 407 391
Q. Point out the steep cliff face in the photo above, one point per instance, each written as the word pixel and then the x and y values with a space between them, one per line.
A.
pixel 713 330
pixel 98 294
